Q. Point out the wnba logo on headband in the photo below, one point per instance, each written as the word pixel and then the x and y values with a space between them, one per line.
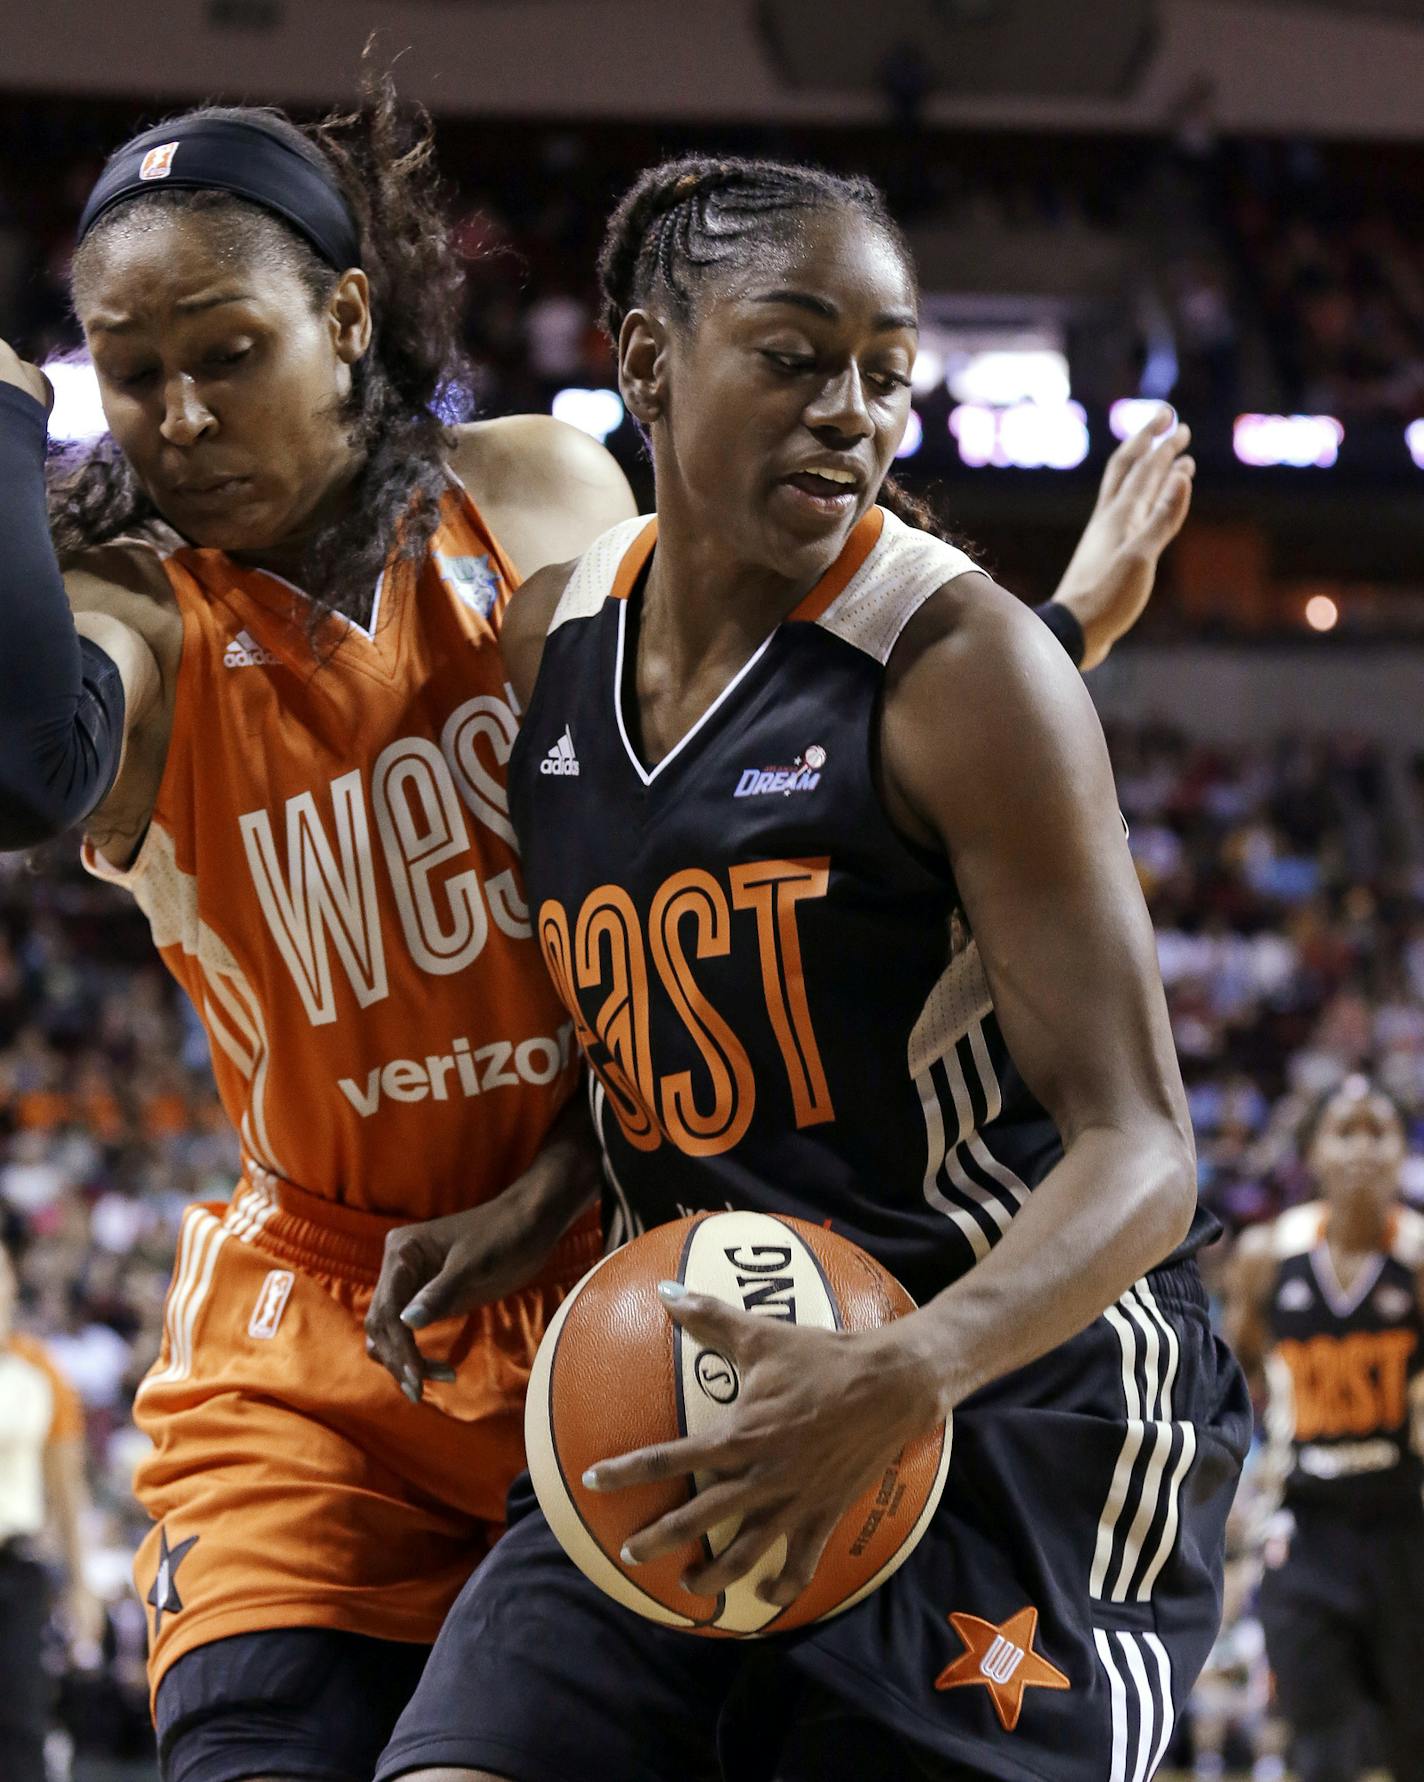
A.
pixel 158 162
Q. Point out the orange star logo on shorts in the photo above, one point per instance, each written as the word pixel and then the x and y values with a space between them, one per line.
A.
pixel 1002 1658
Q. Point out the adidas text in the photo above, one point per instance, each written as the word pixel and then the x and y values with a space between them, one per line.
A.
pixel 561 758
pixel 245 652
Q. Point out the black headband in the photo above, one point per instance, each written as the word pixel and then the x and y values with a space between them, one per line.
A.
pixel 226 155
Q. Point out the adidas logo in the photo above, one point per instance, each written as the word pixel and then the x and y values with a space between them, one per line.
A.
pixel 245 652
pixel 561 758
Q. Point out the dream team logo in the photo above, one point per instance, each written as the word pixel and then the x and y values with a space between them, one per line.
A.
pixel 803 775
pixel 158 162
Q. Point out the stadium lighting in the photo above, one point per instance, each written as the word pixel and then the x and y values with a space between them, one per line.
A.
pixel 927 373
pixel 599 412
pixel 914 436
pixel 77 412
pixel 1295 441
pixel 999 377
pixel 1321 613
pixel 1130 414
pixel 1027 436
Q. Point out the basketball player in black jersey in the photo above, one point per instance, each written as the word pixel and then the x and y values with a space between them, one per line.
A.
pixel 824 856
pixel 1325 1310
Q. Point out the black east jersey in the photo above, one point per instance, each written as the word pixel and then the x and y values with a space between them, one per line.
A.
pixel 776 991
pixel 1343 1368
pixel 784 1012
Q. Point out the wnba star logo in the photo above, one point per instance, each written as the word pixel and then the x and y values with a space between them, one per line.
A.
pixel 158 162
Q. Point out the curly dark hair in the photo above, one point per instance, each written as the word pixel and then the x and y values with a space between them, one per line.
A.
pixel 381 157
pixel 684 220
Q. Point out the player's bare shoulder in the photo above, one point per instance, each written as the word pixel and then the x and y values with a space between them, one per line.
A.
pixel 526 624
pixel 545 489
pixel 126 581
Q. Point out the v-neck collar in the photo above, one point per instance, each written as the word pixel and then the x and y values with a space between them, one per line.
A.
pixel 1343 1301
pixel 630 572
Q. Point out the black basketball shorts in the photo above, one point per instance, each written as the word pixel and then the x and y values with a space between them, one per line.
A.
pixel 310 1702
pixel 1049 1626
pixel 1343 1615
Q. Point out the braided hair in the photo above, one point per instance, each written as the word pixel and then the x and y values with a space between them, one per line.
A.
pixel 682 222
pixel 381 158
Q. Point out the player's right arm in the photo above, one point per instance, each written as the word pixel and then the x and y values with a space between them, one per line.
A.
pixel 526 625
pixel 1248 1297
pixel 83 718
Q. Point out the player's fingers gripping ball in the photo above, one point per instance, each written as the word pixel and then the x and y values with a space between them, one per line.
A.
pixel 614 1373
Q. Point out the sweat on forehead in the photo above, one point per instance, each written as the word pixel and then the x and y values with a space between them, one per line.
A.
pixel 225 230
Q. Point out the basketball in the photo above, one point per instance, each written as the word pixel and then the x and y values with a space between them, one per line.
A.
pixel 615 1373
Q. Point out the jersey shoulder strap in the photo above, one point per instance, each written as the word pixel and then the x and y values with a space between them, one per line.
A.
pixel 603 567
pixel 1406 1242
pixel 1298 1230
pixel 903 568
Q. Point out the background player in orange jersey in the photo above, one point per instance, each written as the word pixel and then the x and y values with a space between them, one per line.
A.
pixel 283 723
pixel 1327 1311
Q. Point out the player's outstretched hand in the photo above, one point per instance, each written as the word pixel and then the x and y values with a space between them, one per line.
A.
pixel 1142 502
pixel 818 1418
pixel 24 376
pixel 445 1268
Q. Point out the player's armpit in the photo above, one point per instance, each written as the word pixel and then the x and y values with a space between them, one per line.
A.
pixel 1015 786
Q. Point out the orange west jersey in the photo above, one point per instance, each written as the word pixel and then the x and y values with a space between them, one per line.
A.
pixel 332 876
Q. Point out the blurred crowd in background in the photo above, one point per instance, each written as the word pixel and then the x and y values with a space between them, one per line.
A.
pixel 1268 276
pixel 1284 882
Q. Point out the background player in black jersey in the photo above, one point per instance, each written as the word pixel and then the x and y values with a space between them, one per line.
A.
pixel 1325 1312
pixel 983 1090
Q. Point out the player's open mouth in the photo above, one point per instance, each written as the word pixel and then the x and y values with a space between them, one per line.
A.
pixel 827 492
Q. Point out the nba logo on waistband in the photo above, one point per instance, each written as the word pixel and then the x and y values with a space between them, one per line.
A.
pixel 158 162
pixel 271 1303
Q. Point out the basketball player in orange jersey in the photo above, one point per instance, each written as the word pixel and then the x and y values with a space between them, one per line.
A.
pixel 1326 1309
pixel 283 725
pixel 840 904
pixel 310 806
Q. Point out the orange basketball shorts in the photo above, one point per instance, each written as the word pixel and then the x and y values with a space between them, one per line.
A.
pixel 291 1483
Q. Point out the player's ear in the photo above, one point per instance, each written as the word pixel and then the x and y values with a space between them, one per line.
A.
pixel 642 365
pixel 349 316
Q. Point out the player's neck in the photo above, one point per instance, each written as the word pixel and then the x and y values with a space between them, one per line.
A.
pixel 1356 1229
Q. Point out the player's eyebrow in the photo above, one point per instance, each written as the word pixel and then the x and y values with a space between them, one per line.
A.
pixel 823 307
pixel 187 306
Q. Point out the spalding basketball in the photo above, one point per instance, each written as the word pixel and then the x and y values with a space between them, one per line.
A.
pixel 615 1373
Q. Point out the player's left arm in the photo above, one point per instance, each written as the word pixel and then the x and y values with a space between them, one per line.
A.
pixel 1020 796
pixel 545 489
pixel 1142 504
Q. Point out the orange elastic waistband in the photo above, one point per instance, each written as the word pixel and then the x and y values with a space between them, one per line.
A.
pixel 321 1236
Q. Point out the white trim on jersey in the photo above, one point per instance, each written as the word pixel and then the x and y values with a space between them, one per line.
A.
pixel 1344 1301
pixel 963 1179
pixel 643 773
